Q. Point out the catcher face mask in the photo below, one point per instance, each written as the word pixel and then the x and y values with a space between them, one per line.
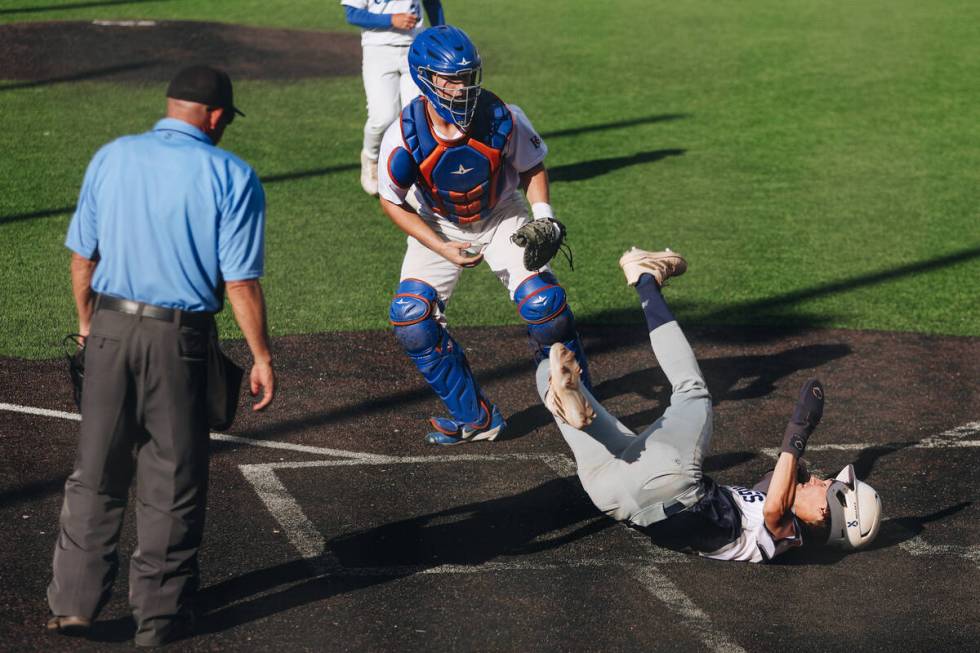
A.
pixel 455 96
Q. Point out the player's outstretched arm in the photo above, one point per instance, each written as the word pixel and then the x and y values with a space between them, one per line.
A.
pixel 782 488
pixel 415 227
pixel 777 510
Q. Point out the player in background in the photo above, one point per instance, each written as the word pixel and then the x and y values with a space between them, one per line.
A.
pixel 460 154
pixel 389 27
pixel 653 480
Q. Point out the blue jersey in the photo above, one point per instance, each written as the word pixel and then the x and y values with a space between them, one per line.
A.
pixel 170 217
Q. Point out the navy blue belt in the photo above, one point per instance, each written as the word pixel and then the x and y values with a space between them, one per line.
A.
pixel 197 320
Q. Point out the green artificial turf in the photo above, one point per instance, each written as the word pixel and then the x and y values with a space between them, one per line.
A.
pixel 818 165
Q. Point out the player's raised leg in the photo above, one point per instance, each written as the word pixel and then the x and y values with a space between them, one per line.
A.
pixel 648 272
pixel 686 426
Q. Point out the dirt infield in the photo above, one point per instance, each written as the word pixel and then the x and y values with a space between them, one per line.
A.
pixel 344 531
pixel 138 51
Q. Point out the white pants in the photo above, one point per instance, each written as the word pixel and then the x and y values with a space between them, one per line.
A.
pixel 388 87
pixel 634 477
pixel 491 235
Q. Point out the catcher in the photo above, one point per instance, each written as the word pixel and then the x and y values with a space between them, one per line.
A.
pixel 449 173
pixel 653 481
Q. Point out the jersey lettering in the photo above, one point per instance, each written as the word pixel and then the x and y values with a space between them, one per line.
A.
pixel 747 495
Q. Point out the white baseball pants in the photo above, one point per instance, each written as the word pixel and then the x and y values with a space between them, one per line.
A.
pixel 490 235
pixel 388 87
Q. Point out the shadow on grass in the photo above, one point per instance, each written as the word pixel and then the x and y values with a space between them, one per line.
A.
pixel 597 167
pixel 77 77
pixel 778 310
pixel 620 124
pixel 73 5
pixel 46 213
pixel 571 172
pixel 269 179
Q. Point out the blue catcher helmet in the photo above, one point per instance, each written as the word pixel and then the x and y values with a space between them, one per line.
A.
pixel 446 51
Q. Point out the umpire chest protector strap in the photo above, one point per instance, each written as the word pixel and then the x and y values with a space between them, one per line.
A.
pixel 461 178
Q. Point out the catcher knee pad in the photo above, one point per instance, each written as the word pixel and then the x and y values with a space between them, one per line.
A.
pixel 437 355
pixel 412 314
pixel 542 304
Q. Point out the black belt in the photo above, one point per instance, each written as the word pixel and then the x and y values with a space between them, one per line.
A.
pixel 199 320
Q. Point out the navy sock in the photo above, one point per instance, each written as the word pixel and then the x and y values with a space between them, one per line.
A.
pixel 654 305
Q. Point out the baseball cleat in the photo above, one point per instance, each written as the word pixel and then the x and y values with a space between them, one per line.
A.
pixel 564 397
pixel 449 432
pixel 662 265
pixel 369 174
pixel 71 626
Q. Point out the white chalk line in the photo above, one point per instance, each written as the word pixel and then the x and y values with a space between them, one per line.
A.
pixel 919 547
pixel 220 437
pixel 43 412
pixel 310 544
pixel 332 567
pixel 954 438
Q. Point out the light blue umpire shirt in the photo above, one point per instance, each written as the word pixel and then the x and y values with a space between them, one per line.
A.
pixel 170 217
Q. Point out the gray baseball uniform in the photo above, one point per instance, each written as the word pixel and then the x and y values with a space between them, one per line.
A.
pixel 642 478
pixel 653 480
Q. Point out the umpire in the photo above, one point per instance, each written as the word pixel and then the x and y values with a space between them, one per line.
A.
pixel 166 223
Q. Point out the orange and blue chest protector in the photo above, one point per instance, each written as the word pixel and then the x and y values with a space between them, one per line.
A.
pixel 461 179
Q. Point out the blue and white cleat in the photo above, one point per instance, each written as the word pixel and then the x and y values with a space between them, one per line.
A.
pixel 449 432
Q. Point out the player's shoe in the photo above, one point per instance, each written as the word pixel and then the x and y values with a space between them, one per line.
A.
pixel 564 396
pixel 662 265
pixel 449 432
pixel 72 626
pixel 369 174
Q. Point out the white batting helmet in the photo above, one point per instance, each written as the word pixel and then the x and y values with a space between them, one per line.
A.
pixel 855 511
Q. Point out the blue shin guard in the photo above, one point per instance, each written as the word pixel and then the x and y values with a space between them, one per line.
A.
pixel 443 365
pixel 542 304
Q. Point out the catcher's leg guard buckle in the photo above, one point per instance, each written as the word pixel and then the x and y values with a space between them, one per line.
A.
pixel 449 431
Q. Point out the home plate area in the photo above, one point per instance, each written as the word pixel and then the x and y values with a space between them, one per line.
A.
pixel 332 526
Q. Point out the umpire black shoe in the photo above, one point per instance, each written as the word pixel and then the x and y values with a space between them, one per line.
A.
pixel 68 625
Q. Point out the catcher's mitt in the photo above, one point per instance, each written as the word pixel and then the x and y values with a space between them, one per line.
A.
pixel 75 353
pixel 541 240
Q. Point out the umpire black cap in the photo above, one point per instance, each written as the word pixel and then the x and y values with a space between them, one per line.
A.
pixel 205 85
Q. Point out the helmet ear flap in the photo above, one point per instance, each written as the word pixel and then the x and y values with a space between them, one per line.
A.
pixel 855 511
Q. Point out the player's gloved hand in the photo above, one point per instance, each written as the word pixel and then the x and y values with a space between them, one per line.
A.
pixel 541 240
pixel 806 416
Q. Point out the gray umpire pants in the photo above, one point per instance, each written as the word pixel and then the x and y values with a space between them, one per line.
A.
pixel 644 478
pixel 143 412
